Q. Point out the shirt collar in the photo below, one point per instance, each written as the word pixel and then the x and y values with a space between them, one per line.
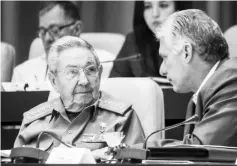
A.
pixel 211 72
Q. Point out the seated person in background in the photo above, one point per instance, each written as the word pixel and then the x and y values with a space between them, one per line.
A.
pixel 147 16
pixel 75 72
pixel 7 61
pixel 56 19
pixel 195 58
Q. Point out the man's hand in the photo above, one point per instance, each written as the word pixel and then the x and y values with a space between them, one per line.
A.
pixel 101 154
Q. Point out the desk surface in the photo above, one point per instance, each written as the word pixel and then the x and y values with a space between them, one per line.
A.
pixel 159 164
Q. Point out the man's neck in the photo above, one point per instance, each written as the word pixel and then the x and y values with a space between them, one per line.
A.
pixel 200 73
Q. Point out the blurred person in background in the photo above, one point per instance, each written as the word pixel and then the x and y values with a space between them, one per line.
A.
pixel 56 19
pixel 148 15
pixel 8 56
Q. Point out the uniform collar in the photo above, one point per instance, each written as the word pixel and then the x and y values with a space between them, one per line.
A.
pixel 58 107
pixel 211 72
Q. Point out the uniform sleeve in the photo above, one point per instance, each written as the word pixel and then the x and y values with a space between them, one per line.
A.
pixel 131 127
pixel 17 76
pixel 19 141
pixel 14 76
pixel 123 68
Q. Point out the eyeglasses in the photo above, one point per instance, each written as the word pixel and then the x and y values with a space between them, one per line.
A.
pixel 53 30
pixel 71 73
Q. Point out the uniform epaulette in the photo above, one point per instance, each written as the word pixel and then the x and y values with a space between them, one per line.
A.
pixel 111 104
pixel 37 112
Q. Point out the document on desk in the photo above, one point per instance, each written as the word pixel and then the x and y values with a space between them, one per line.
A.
pixel 203 146
pixel 5 156
pixel 166 162
pixel 5 153
pixel 60 155
pixel 13 87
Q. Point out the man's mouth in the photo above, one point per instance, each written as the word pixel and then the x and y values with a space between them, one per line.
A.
pixel 83 92
pixel 156 24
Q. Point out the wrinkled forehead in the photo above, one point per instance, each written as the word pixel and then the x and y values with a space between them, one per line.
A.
pixel 78 57
pixel 54 16
pixel 164 45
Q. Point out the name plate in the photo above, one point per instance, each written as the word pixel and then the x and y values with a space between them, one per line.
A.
pixel 60 155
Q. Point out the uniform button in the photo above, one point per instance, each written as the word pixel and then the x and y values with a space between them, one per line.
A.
pixel 69 132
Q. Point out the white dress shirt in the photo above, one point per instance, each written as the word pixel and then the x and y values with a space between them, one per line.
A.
pixel 211 72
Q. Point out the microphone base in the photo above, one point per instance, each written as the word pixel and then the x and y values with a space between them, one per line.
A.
pixel 131 155
pixel 28 155
pixel 183 152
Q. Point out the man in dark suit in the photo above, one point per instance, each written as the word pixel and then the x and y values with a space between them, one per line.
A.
pixel 195 59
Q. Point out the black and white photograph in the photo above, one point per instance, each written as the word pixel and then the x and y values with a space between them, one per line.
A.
pixel 118 82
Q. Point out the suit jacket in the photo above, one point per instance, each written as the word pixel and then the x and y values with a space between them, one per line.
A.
pixel 134 67
pixel 217 109
pixel 85 129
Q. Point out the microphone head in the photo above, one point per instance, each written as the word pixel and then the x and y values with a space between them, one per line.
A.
pixel 26 86
pixel 138 56
pixel 192 120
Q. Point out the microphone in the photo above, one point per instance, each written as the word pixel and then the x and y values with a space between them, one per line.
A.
pixel 137 154
pixel 26 86
pixel 133 57
pixel 51 135
pixel 192 120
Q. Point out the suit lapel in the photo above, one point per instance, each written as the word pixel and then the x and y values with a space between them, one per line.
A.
pixel 188 129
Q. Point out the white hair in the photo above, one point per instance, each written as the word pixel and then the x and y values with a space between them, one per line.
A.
pixel 65 43
pixel 195 27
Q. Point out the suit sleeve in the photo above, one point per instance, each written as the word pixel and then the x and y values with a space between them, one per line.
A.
pixel 131 127
pixel 123 68
pixel 217 104
pixel 218 125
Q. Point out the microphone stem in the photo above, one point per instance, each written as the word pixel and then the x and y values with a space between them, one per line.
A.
pixel 51 135
pixel 124 59
pixel 166 128
pixel 134 57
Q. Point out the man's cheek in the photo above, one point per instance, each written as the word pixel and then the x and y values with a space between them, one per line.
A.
pixel 71 85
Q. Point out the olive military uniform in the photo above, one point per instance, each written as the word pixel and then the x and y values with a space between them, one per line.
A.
pixel 85 129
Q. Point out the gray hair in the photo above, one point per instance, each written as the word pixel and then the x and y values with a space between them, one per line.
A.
pixel 65 43
pixel 195 27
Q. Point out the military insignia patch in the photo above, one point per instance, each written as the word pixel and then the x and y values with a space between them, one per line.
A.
pixel 91 137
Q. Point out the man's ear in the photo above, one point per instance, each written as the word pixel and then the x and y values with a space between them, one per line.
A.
pixel 188 53
pixel 78 28
pixel 52 79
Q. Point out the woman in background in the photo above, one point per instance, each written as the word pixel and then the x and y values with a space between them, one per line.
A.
pixel 142 42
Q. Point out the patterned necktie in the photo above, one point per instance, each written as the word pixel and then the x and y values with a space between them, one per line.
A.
pixel 188 129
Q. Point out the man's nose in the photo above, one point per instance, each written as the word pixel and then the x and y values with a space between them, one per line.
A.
pixel 163 71
pixel 83 80
pixel 48 37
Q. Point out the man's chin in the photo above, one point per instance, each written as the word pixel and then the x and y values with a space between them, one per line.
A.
pixel 180 90
pixel 83 100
